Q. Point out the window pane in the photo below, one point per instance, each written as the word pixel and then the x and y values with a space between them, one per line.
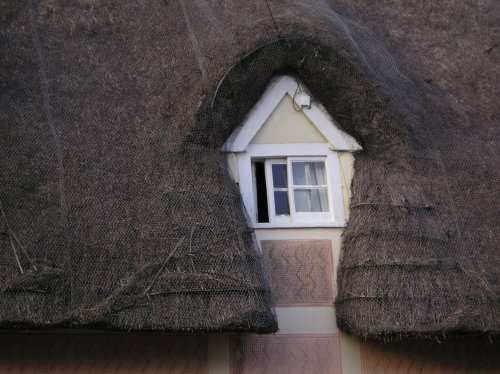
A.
pixel 302 201
pixel 308 173
pixel 279 175
pixel 317 173
pixel 281 203
pixel 311 200
pixel 299 173
pixel 319 200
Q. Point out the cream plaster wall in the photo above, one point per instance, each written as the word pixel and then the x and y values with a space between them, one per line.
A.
pixel 285 125
pixel 346 173
pixel 232 162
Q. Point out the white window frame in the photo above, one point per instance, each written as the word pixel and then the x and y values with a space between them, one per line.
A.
pixel 335 217
pixel 309 216
pixel 293 215
pixel 271 206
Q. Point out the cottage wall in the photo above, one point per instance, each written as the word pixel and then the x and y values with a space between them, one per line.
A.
pixel 99 352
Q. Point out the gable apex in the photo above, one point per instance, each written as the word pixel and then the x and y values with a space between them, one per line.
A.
pixel 269 101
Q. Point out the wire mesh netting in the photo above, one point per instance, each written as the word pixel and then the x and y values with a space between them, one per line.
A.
pixel 117 207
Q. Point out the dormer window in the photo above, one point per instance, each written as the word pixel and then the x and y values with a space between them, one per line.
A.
pixel 286 160
pixel 291 189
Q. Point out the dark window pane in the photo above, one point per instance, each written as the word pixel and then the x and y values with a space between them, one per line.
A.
pixel 281 203
pixel 261 190
pixel 279 175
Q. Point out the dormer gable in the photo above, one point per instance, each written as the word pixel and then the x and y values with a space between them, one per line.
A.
pixel 264 119
pixel 287 125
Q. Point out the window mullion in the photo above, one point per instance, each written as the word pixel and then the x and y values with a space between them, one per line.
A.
pixel 310 187
pixel 291 200
pixel 270 191
pixel 307 173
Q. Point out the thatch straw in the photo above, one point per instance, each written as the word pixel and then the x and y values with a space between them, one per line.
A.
pixel 112 120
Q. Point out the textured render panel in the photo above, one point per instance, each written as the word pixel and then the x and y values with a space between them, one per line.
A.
pixel 450 357
pixel 285 354
pixel 300 271
pixel 103 354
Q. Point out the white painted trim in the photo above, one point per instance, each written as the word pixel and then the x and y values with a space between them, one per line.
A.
pixel 273 217
pixel 288 150
pixel 279 87
pixel 282 225
pixel 246 185
pixel 339 140
pixel 244 134
pixel 309 216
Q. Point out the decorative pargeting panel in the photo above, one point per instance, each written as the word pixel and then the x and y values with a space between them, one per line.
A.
pixel 300 272
pixel 94 353
pixel 285 354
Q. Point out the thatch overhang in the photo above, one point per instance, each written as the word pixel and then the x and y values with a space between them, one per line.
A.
pixel 113 184
pixel 110 218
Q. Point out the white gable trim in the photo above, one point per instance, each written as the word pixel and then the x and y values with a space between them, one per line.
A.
pixel 277 89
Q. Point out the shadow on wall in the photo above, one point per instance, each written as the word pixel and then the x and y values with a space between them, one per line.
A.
pixel 103 353
pixel 452 356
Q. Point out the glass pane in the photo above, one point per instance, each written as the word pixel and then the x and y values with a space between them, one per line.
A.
pixel 299 173
pixel 311 200
pixel 317 173
pixel 308 173
pixel 319 200
pixel 279 175
pixel 302 201
pixel 281 203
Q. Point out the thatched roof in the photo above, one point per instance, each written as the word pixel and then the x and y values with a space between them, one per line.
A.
pixel 117 205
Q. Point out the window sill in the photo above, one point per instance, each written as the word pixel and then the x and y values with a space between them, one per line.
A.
pixel 298 225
